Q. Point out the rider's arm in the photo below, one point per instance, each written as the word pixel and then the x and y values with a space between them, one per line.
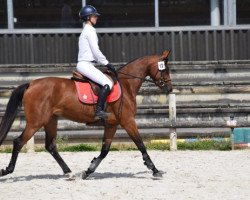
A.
pixel 93 42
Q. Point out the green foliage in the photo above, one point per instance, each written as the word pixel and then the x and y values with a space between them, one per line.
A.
pixel 62 142
pixel 208 144
pixel 199 144
pixel 205 145
pixel 6 150
pixel 158 146
pixel 79 148
pixel 123 147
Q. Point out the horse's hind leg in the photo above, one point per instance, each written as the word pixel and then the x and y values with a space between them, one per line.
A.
pixel 109 133
pixel 132 130
pixel 50 143
pixel 18 143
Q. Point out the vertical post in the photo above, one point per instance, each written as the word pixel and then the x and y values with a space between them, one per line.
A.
pixel 10 14
pixel 30 146
pixel 232 123
pixel 230 12
pixel 214 12
pixel 172 119
pixel 157 13
pixel 83 3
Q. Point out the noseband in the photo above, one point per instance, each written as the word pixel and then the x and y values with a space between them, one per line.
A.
pixel 162 82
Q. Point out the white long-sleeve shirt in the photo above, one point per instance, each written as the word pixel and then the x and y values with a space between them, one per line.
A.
pixel 88 46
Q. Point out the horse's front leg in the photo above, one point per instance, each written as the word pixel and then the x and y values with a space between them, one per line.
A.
pixel 132 130
pixel 109 133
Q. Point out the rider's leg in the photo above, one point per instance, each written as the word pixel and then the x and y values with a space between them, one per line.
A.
pixel 99 112
pixel 90 71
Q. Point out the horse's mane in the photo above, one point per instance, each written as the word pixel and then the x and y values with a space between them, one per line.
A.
pixel 141 58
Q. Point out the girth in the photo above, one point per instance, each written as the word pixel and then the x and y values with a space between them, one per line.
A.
pixel 95 86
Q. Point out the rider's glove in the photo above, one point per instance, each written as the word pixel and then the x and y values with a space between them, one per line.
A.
pixel 111 68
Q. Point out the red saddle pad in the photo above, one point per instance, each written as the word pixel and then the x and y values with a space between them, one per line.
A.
pixel 86 94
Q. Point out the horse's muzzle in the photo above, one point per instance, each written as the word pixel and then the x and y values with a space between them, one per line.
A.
pixel 167 89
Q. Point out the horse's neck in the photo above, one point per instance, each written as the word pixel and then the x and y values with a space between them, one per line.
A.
pixel 136 73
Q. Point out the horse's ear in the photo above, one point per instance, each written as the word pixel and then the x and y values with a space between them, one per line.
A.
pixel 165 54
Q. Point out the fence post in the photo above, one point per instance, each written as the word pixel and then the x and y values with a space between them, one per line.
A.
pixel 232 123
pixel 172 119
pixel 30 146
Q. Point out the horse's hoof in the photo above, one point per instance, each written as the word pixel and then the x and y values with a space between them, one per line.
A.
pixel 85 175
pixel 71 176
pixel 158 175
pixel 3 172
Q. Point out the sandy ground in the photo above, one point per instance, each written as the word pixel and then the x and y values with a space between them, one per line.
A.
pixel 122 175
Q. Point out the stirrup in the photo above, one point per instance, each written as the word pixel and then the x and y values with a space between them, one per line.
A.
pixel 101 114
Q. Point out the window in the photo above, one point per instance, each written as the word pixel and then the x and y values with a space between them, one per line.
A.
pixel 124 13
pixel 117 13
pixel 243 11
pixel 3 14
pixel 47 13
pixel 184 12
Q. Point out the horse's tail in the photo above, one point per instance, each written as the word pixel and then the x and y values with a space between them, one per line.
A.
pixel 12 110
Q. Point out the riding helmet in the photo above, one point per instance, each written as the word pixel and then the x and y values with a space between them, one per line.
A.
pixel 87 11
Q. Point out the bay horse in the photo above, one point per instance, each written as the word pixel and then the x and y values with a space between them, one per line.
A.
pixel 46 99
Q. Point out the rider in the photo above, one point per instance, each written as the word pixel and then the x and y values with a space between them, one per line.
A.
pixel 89 53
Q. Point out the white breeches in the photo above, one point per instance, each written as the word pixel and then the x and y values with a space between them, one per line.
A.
pixel 90 71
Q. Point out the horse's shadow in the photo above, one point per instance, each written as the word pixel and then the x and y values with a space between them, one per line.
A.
pixel 31 177
pixel 94 176
pixel 106 175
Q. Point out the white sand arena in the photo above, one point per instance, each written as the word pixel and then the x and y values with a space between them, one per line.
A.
pixel 122 175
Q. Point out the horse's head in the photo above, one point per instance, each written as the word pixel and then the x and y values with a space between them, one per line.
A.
pixel 159 72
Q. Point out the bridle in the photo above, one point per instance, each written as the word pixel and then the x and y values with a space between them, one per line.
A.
pixel 162 82
pixel 133 76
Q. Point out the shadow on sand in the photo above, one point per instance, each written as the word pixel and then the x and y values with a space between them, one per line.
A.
pixel 31 177
pixel 94 176
pixel 105 175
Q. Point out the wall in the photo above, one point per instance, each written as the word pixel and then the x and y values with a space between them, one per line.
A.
pixel 207 93
pixel 199 44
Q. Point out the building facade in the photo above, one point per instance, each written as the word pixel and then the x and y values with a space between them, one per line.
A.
pixel 46 31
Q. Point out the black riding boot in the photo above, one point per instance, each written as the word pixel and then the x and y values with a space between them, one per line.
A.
pixel 99 112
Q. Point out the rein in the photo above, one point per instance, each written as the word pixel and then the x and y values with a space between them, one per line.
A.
pixel 133 76
pixel 162 81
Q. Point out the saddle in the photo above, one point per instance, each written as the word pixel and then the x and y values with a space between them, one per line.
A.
pixel 95 86
pixel 88 91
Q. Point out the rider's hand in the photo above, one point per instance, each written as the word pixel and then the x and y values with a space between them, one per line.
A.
pixel 111 68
